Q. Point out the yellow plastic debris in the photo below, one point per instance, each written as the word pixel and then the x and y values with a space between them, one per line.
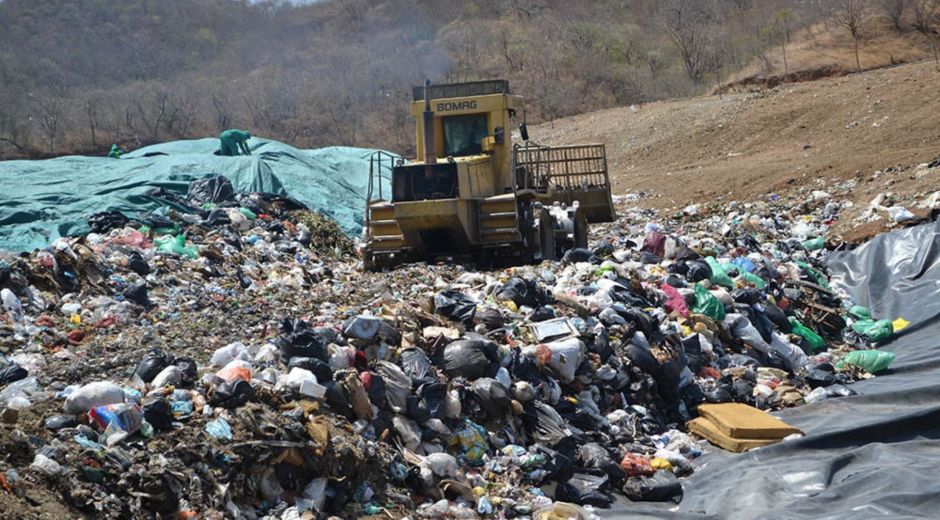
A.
pixel 659 463
pixel 76 319
pixel 899 324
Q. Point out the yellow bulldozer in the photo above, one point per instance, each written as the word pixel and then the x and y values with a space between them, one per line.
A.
pixel 473 193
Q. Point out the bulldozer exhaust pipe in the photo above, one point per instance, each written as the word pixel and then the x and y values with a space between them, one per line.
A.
pixel 430 150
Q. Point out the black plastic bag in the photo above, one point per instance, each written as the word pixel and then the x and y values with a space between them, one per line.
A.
pixel 297 339
pixel 492 319
pixel 674 281
pixel 778 317
pixel 594 456
pixel 471 358
pixel 641 357
pixel 816 378
pixel 623 294
pixel 523 292
pixel 600 345
pixel 456 306
pixel 584 489
pixel 12 373
pixel 416 364
pixel 698 271
pixel 417 409
pixel 548 426
pixel 152 363
pixel 692 346
pixel 663 486
pixel 154 220
pixel 216 218
pixel 643 322
pixel 157 412
pixel 137 264
pixel 742 391
pixel 524 368
pixel 106 221
pixel 579 254
pixel 137 293
pixel 434 396
pixel 491 396
pixel 719 394
pixel 667 377
pixel 215 189
pixel 320 369
pixel 397 385
pixel 684 252
pixel 603 249
pixel 189 369
pixel 541 313
pixel 839 390
pixel 337 398
pixel 232 394
pixel 649 258
pixel 747 296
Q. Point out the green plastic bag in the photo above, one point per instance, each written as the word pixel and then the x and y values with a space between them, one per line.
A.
pixel 757 281
pixel 820 278
pixel 815 340
pixel 177 246
pixel 874 330
pixel 873 361
pixel 814 244
pixel 859 312
pixel 719 276
pixel 706 303
pixel 250 215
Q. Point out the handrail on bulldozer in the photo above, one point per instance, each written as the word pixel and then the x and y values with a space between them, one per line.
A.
pixel 377 164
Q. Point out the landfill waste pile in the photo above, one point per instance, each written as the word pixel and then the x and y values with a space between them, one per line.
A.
pixel 41 201
pixel 235 362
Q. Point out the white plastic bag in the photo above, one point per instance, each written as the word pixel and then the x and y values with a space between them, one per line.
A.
pixel 99 393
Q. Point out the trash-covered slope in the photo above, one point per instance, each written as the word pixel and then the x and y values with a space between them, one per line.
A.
pixel 244 366
pixel 44 200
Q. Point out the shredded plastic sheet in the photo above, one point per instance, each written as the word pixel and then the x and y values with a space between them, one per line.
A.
pixel 41 201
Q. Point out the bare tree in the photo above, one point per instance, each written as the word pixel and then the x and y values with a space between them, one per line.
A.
pixel 927 21
pixel 152 111
pixel 852 14
pixel 221 111
pixel 782 21
pixel 92 118
pixel 182 114
pixel 925 14
pixel 656 62
pixel 14 129
pixel 49 111
pixel 685 24
pixel 895 9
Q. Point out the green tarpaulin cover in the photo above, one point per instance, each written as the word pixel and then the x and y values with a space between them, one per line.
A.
pixel 41 201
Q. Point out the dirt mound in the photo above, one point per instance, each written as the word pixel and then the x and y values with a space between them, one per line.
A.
pixel 873 129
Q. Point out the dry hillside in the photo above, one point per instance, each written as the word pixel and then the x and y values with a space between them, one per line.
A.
pixel 748 145
pixel 825 49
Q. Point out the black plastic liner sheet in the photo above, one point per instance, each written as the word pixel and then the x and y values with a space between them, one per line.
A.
pixel 874 455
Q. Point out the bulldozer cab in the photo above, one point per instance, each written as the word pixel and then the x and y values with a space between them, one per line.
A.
pixel 472 191
pixel 462 144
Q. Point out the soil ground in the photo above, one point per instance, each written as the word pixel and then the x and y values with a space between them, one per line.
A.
pixel 875 128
